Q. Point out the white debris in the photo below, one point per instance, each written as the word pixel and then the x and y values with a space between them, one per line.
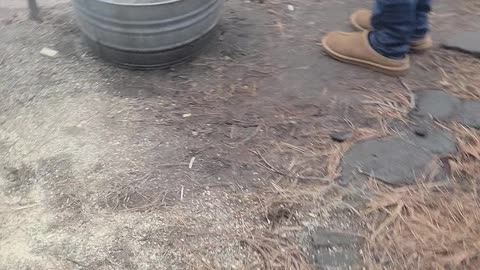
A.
pixel 185 115
pixel 190 165
pixel 49 52
pixel 291 7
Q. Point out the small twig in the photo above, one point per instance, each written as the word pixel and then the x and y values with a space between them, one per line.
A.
pixel 410 93
pixel 404 84
pixel 19 208
pixel 387 221
pixel 314 178
pixel 254 133
pixel 240 124
pixel 270 166
pixel 172 164
pixel 192 160
pixel 75 262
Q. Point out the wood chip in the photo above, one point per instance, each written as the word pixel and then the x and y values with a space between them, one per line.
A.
pixel 190 165
pixel 49 52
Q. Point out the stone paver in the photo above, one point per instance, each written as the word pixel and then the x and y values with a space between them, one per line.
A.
pixel 438 142
pixel 337 250
pixel 436 104
pixel 324 238
pixel 445 107
pixel 393 160
pixel 402 159
pixel 468 42
pixel 342 259
pixel 469 114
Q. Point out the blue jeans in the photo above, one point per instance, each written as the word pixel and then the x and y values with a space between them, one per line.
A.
pixel 396 24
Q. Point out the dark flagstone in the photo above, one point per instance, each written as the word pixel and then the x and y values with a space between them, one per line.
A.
pixel 467 42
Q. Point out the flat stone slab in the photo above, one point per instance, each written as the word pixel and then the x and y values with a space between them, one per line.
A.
pixel 436 104
pixel 347 259
pixel 337 250
pixel 445 107
pixel 438 142
pixel 403 159
pixel 396 160
pixel 324 238
pixel 392 160
pixel 467 42
pixel 469 114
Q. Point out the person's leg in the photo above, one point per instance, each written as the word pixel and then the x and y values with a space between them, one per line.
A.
pixel 422 26
pixel 420 40
pixel 393 22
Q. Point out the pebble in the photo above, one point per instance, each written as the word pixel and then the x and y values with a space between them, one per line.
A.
pixel 49 52
pixel 420 131
pixel 341 181
pixel 341 136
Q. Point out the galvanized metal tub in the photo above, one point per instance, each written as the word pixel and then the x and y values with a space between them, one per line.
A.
pixel 147 33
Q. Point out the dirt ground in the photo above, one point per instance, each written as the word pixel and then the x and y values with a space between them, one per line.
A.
pixel 191 167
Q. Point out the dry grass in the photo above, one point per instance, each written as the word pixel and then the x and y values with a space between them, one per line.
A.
pixel 471 6
pixel 466 165
pixel 389 106
pixel 302 188
pixel 459 74
pixel 282 204
pixel 294 192
pixel 276 253
pixel 430 226
pixel 304 184
pixel 277 247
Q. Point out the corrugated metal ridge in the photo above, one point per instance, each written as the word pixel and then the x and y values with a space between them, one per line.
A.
pixel 156 49
pixel 205 10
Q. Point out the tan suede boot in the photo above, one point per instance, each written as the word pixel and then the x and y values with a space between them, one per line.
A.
pixel 361 18
pixel 354 48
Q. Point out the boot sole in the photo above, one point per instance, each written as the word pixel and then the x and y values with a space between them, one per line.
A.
pixel 365 63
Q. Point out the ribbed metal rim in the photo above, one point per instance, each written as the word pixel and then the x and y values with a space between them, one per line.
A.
pixel 160 2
